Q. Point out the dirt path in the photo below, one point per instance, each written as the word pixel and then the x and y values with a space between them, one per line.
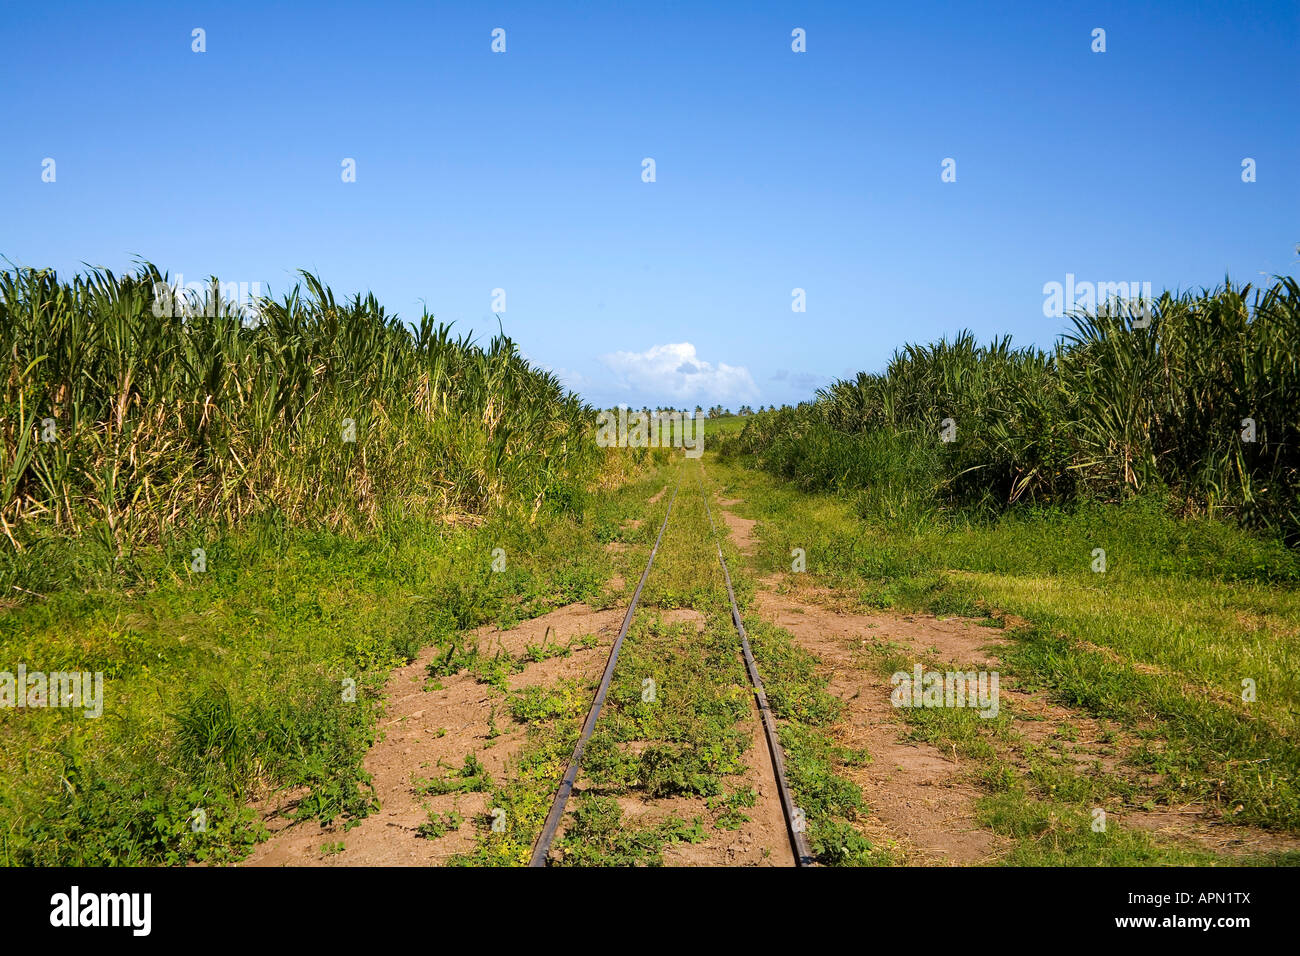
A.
pixel 740 529
pixel 429 733
pixel 923 799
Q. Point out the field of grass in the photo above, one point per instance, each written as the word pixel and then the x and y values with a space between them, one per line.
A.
pixel 222 685
pixel 245 523
pixel 1115 501
pixel 1159 644
pixel 242 522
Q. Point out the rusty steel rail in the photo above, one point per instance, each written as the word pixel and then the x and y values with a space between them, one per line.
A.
pixel 543 845
pixel 803 855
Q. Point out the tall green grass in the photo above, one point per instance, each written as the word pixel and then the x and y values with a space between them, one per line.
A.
pixel 1116 409
pixel 133 428
pixel 209 413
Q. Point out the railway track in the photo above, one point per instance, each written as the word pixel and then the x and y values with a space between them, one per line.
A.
pixel 794 822
pixel 793 818
pixel 543 845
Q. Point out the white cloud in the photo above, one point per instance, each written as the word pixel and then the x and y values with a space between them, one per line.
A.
pixel 674 372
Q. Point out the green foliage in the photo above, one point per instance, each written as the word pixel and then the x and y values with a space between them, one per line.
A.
pixel 733 806
pixel 1155 650
pixel 599 836
pixel 535 702
pixel 472 777
pixel 1116 409
pixel 207 414
pixel 221 686
pixel 440 824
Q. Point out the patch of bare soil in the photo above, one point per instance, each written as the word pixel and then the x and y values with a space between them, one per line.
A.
pixel 924 798
pixel 654 499
pixel 740 529
pixel 429 733
pixel 920 798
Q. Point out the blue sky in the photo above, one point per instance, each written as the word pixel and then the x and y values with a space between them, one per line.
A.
pixel 775 170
